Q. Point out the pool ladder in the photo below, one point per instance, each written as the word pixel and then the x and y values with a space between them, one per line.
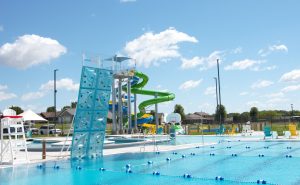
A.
pixel 154 141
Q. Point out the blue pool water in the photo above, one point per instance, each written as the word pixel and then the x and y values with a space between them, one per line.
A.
pixel 245 168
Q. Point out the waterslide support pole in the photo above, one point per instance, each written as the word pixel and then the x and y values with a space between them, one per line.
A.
pixel 135 113
pixel 156 115
pixel 129 104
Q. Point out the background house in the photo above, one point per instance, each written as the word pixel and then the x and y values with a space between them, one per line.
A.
pixel 66 116
pixel 198 117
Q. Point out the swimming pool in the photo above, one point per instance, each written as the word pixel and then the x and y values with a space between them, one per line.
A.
pixel 246 167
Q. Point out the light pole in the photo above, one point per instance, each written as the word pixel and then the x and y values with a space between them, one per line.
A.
pixel 55 91
pixel 292 113
pixel 216 82
pixel 219 82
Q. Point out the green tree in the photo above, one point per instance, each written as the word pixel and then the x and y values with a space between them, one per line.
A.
pixel 51 109
pixel 65 107
pixel 222 111
pixel 73 104
pixel 180 110
pixel 254 114
pixel 18 109
pixel 236 117
pixel 245 116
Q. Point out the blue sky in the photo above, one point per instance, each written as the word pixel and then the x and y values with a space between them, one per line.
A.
pixel 176 43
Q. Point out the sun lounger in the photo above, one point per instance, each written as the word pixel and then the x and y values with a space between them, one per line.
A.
pixel 287 134
pixel 274 135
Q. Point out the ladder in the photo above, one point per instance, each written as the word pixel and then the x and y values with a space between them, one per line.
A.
pixel 13 141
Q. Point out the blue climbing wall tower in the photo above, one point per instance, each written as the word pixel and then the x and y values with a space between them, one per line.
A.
pixel 91 112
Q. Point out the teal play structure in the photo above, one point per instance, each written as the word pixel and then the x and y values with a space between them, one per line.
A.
pixel 91 112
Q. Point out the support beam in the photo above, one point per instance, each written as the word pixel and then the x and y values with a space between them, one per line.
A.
pixel 120 116
pixel 129 105
pixel 114 120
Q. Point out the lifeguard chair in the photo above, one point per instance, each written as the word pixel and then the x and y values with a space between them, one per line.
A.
pixel 12 138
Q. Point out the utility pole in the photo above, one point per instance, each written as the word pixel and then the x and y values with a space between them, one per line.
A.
pixel 55 91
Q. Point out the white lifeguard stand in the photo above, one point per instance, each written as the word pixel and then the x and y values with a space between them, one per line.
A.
pixel 12 139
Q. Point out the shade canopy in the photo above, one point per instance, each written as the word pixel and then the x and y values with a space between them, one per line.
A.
pixel 29 115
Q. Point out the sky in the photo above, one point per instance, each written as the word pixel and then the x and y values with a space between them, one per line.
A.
pixel 176 43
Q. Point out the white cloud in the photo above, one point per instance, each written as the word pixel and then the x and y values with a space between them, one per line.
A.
pixel 64 83
pixel 244 93
pixel 204 62
pixel 190 84
pixel 253 103
pixel 30 50
pixel 275 95
pixel 261 84
pixel 32 96
pixel 160 88
pixel 6 96
pixel 244 64
pixel 3 87
pixel 210 90
pixel 237 50
pixel 292 76
pixel 277 100
pixel 191 63
pixel 270 49
pixel 291 88
pixel 150 49
pixel 1 28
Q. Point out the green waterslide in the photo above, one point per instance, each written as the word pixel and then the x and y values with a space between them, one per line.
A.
pixel 138 89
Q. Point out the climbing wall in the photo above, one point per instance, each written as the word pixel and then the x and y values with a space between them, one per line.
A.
pixel 91 113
